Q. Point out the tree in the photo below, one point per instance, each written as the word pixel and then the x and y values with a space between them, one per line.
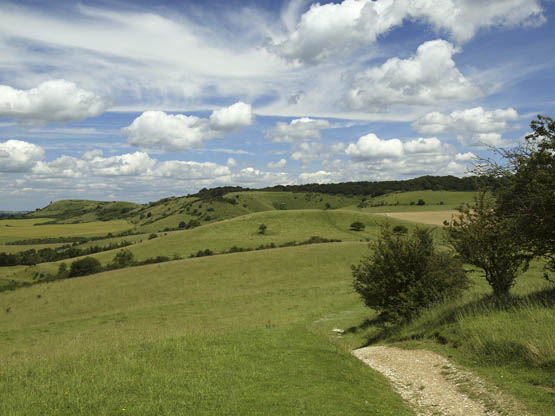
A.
pixel 421 202
pixel 262 229
pixel 357 226
pixel 85 266
pixel 405 274
pixel 526 188
pixel 487 240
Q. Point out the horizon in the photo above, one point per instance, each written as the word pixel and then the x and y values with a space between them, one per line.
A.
pixel 137 101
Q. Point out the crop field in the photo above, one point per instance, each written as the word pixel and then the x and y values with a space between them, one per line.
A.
pixel 425 217
pixel 13 230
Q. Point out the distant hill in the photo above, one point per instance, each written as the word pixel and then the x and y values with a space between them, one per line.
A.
pixel 209 205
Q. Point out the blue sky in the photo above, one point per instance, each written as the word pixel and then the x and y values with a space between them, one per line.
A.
pixel 142 100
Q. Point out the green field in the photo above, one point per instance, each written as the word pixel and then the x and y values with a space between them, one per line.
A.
pixel 223 335
pixel 13 230
pixel 246 333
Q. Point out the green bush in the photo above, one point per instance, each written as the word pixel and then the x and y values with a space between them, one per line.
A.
pixel 85 266
pixel 400 229
pixel 357 226
pixel 406 274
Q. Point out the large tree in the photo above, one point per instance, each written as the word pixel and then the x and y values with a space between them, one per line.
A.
pixel 526 191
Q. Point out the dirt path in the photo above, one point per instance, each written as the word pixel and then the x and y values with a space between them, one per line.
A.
pixel 434 386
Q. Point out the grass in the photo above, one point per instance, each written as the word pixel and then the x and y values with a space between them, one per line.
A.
pixel 13 230
pixel 512 346
pixel 283 226
pixel 230 334
pixel 401 201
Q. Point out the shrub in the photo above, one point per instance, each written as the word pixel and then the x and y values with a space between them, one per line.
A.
pixel 400 229
pixel 406 274
pixel 357 226
pixel 123 258
pixel 262 229
pixel 421 202
pixel 153 235
pixel 182 224
pixel 85 266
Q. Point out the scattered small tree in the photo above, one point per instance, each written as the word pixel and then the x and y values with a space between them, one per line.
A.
pixel 405 274
pixel 182 224
pixel 123 258
pixel 421 202
pixel 85 266
pixel 262 229
pixel 486 240
pixel 357 226
pixel 62 271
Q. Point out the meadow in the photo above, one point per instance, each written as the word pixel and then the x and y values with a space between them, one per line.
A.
pixel 249 332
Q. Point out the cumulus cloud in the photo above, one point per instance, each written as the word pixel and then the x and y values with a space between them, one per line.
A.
pixel 52 101
pixel 372 147
pixel 191 170
pixel 333 29
pixel 19 156
pixel 465 157
pixel 159 131
pixel 471 121
pixel 232 117
pixel 298 129
pixel 320 176
pixel 429 77
pixel 254 177
pixel 277 165
pixel 129 164
pixel 231 162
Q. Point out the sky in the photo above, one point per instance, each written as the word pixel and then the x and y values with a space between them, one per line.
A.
pixel 137 100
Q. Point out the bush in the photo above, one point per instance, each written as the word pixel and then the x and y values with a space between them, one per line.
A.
pixel 152 236
pixel 357 226
pixel 406 274
pixel 85 266
pixel 262 229
pixel 421 202
pixel 400 229
pixel 182 224
pixel 123 258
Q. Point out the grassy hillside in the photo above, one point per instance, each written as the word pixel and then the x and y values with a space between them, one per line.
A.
pixel 408 201
pixel 222 335
pixel 242 232
pixel 78 210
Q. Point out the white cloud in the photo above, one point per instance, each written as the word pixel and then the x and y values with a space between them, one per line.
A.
pixel 231 162
pixel 465 157
pixel 185 170
pixel 93 164
pixel 159 131
pixel 232 117
pixel 329 30
pixel 52 101
pixel 470 121
pixel 277 165
pixel 306 152
pixel 92 154
pixel 298 129
pixel 421 145
pixel 19 156
pixel 429 77
pixel 372 147
pixel 320 176
pixel 251 177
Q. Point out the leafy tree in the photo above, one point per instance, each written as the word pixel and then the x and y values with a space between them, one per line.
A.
pixel 526 191
pixel 405 274
pixel 182 224
pixel 262 229
pixel 421 202
pixel 62 271
pixel 123 258
pixel 357 226
pixel 487 240
pixel 85 266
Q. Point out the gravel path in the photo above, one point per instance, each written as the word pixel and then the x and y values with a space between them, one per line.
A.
pixel 434 386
